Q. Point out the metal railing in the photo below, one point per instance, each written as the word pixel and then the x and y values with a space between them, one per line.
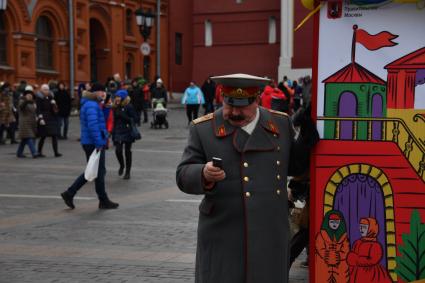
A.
pixel 392 129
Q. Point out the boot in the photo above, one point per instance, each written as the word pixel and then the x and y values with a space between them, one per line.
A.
pixel 128 157
pixel 68 199
pixel 120 159
pixel 108 204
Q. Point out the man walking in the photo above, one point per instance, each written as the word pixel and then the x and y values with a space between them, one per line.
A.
pixel 93 137
pixel 243 223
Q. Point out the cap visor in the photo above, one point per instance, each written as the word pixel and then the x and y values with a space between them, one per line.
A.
pixel 238 102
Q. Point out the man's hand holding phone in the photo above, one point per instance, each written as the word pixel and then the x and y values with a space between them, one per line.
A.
pixel 213 174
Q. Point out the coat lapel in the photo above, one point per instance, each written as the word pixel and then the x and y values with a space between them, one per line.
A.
pixel 222 128
pixel 264 135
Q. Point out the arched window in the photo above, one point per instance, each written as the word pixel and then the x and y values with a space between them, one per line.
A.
pixel 44 53
pixel 272 30
pixel 129 22
pixel 3 41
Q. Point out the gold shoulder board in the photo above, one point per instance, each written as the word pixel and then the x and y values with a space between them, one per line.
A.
pixel 203 118
pixel 278 113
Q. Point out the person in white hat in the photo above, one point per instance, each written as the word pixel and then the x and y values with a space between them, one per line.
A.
pixel 239 158
pixel 159 92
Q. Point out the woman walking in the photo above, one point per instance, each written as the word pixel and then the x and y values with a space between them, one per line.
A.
pixel 48 122
pixel 124 119
pixel 27 122
pixel 192 98
pixel 63 100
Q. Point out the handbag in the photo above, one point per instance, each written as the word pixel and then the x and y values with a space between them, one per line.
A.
pixel 135 134
pixel 92 167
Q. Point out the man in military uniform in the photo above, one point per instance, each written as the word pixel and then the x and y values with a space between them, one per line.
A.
pixel 243 230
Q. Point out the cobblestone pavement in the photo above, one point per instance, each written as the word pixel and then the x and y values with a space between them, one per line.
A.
pixel 150 238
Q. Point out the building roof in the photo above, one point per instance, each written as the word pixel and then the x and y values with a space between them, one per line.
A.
pixel 413 60
pixel 354 73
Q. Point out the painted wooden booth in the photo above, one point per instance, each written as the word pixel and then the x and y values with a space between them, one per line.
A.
pixel 368 172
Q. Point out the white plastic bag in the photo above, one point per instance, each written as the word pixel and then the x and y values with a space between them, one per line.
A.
pixel 92 166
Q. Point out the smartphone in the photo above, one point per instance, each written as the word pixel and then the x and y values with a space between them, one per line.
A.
pixel 217 162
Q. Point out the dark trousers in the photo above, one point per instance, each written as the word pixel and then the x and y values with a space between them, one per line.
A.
pixel 99 182
pixel 54 144
pixel 64 122
pixel 298 242
pixel 209 107
pixel 192 111
pixel 10 130
pixel 128 156
pixel 30 143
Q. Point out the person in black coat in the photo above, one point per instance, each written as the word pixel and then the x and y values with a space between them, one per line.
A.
pixel 48 122
pixel 64 102
pixel 159 92
pixel 208 89
pixel 137 99
pixel 124 119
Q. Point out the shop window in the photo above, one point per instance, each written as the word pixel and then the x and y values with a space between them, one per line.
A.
pixel 3 41
pixel 129 67
pixel 179 48
pixel 44 46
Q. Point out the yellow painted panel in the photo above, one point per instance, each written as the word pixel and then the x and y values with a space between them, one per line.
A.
pixel 354 168
pixel 391 238
pixel 331 188
pixel 391 252
pixel 392 264
pixel 375 172
pixel 344 171
pixel 389 214
pixel 393 276
pixel 364 169
pixel 386 189
pixel 327 209
pixel 329 200
pixel 389 202
pixel 382 179
pixel 390 226
pixel 336 178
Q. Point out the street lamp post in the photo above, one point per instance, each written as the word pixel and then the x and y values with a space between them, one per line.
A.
pixel 144 20
pixel 3 5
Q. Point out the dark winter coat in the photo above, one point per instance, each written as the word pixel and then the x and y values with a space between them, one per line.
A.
pixel 159 92
pixel 124 117
pixel 92 121
pixel 64 101
pixel 27 118
pixel 208 89
pixel 137 98
pixel 47 111
pixel 243 228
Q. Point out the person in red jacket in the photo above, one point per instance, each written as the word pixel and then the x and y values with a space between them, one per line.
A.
pixel 366 254
pixel 271 92
pixel 218 96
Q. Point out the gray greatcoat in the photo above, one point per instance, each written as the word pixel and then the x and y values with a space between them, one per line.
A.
pixel 243 228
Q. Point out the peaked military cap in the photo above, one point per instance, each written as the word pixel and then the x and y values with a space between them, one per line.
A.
pixel 240 89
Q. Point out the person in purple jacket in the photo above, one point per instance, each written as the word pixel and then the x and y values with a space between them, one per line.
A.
pixel 93 137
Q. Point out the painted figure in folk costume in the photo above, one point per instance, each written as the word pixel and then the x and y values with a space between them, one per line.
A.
pixel 364 259
pixel 332 247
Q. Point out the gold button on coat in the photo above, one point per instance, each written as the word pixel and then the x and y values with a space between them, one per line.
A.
pixel 247 194
pixel 245 164
pixel 275 135
pixel 246 178
pixel 278 177
pixel 278 162
pixel 278 192
pixel 278 148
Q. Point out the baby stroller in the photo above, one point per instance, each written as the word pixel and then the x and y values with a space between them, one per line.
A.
pixel 159 114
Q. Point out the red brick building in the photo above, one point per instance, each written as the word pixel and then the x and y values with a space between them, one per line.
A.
pixel 34 40
pixel 221 36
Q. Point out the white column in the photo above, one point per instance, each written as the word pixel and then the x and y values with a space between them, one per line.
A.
pixel 287 43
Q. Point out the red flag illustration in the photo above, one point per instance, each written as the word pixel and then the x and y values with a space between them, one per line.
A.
pixel 375 41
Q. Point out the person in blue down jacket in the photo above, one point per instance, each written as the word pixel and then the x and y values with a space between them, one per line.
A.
pixel 192 98
pixel 93 137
